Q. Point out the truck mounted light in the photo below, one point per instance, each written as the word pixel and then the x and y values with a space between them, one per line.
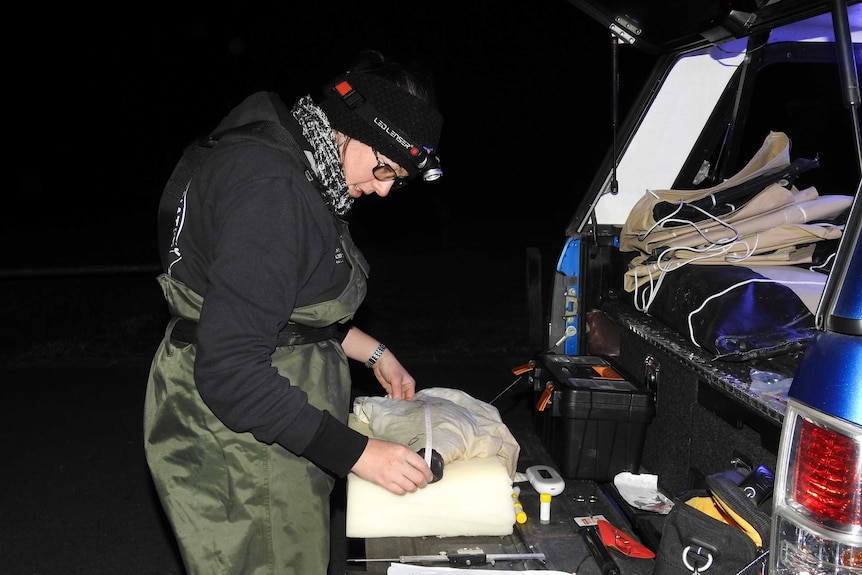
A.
pixel 817 527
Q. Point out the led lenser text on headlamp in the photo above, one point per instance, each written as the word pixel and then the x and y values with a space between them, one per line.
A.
pixel 392 133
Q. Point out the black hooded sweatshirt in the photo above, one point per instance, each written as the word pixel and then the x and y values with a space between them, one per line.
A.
pixel 256 241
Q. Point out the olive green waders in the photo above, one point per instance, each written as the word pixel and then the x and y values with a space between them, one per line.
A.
pixel 237 505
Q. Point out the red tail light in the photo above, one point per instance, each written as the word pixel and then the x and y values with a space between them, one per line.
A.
pixel 828 479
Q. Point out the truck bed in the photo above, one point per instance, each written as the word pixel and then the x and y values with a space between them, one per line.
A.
pixel 706 416
pixel 560 540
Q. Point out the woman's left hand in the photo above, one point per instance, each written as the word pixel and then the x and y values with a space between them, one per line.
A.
pixel 393 377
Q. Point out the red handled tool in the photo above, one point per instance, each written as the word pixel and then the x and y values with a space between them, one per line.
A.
pixel 622 542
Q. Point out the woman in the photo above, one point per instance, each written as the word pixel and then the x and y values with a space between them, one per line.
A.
pixel 249 392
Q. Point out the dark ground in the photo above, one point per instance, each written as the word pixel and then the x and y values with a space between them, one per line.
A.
pixel 76 494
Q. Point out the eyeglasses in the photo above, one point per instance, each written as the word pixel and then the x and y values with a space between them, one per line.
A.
pixel 383 172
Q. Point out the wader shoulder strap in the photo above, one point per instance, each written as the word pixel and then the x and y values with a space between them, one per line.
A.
pixel 194 155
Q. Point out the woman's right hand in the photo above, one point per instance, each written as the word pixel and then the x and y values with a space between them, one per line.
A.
pixel 393 466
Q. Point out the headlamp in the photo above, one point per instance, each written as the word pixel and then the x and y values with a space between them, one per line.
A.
pixel 424 158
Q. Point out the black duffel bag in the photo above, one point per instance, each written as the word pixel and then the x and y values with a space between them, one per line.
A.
pixel 720 530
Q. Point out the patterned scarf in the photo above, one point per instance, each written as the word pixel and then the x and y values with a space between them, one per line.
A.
pixel 327 160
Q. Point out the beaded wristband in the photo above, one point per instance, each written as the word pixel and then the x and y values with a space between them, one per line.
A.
pixel 377 353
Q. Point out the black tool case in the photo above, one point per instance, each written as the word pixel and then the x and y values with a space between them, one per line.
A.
pixel 590 415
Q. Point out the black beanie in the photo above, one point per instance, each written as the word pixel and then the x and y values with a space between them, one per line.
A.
pixel 384 116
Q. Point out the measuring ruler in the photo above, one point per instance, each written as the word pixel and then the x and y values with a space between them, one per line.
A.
pixel 466 557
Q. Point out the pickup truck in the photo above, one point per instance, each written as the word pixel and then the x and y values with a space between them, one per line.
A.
pixel 742 321
pixel 705 308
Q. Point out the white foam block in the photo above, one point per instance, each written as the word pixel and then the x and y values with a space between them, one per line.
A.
pixel 474 497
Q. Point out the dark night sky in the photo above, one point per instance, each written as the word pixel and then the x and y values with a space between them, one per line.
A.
pixel 103 105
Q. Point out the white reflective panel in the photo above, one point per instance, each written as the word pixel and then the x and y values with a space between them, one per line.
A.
pixel 670 128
